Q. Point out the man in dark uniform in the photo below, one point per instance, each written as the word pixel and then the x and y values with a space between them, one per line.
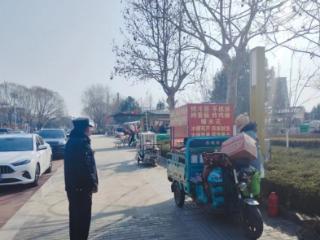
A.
pixel 81 178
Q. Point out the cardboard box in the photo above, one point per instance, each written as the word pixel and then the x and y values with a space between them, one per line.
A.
pixel 241 146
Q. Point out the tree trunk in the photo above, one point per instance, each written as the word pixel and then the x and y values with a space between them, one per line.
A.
pixel 171 101
pixel 232 84
pixel 232 72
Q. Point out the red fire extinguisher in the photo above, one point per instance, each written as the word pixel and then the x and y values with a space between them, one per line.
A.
pixel 273 205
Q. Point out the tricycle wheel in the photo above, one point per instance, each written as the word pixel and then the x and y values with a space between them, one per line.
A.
pixel 179 195
pixel 252 222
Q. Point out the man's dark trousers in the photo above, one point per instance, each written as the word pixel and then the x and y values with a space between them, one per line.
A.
pixel 79 214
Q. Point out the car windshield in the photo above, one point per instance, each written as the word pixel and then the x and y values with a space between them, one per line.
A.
pixel 16 144
pixel 52 134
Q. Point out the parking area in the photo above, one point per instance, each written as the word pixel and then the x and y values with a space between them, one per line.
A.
pixel 12 198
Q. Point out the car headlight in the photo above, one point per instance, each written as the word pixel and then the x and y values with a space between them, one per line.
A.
pixel 62 142
pixel 21 162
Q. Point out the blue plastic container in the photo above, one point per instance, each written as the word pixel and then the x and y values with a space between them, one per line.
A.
pixel 215 176
pixel 216 179
pixel 201 195
pixel 217 202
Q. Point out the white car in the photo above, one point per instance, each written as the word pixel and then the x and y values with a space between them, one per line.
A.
pixel 23 159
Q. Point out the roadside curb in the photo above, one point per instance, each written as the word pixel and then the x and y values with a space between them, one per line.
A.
pixel 289 215
pixel 310 227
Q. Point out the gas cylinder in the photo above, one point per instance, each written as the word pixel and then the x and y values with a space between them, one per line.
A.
pixel 273 205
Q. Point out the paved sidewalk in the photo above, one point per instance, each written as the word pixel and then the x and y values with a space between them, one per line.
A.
pixel 132 203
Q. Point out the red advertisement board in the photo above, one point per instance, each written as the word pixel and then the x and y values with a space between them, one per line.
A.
pixel 203 119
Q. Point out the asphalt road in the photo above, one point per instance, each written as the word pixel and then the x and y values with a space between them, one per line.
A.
pixel 132 203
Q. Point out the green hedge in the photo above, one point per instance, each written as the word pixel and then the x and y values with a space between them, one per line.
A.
pixel 297 143
pixel 295 175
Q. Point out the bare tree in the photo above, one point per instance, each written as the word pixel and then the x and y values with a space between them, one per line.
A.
pixel 14 99
pixel 96 101
pixel 47 105
pixel 26 102
pixel 300 80
pixel 299 83
pixel 305 27
pixel 225 28
pixel 10 93
pixel 9 101
pixel 34 105
pixel 156 49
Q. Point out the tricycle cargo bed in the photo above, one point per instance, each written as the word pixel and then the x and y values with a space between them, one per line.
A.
pixel 176 168
pixel 183 166
pixel 175 171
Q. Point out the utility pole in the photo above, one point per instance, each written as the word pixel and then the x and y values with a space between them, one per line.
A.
pixel 257 92
pixel 14 96
pixel 15 116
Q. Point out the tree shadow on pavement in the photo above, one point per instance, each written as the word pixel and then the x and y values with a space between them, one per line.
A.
pixel 45 229
pixel 120 167
pixel 112 149
pixel 302 232
pixel 163 221
pixel 284 225
pixel 157 221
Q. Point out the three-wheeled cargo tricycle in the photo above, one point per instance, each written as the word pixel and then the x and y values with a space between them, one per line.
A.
pixel 211 179
pixel 147 149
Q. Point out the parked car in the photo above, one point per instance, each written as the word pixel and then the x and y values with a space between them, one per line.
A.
pixel 5 130
pixel 56 138
pixel 315 126
pixel 23 159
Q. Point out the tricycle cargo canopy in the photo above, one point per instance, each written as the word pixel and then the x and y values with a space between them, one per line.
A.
pixel 204 119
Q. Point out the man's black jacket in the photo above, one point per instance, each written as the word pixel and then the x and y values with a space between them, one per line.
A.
pixel 79 164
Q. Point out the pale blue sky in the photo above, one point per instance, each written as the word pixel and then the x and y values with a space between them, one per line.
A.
pixel 64 45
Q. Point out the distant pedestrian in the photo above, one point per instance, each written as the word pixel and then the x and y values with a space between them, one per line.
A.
pixel 81 179
pixel 131 137
pixel 162 129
